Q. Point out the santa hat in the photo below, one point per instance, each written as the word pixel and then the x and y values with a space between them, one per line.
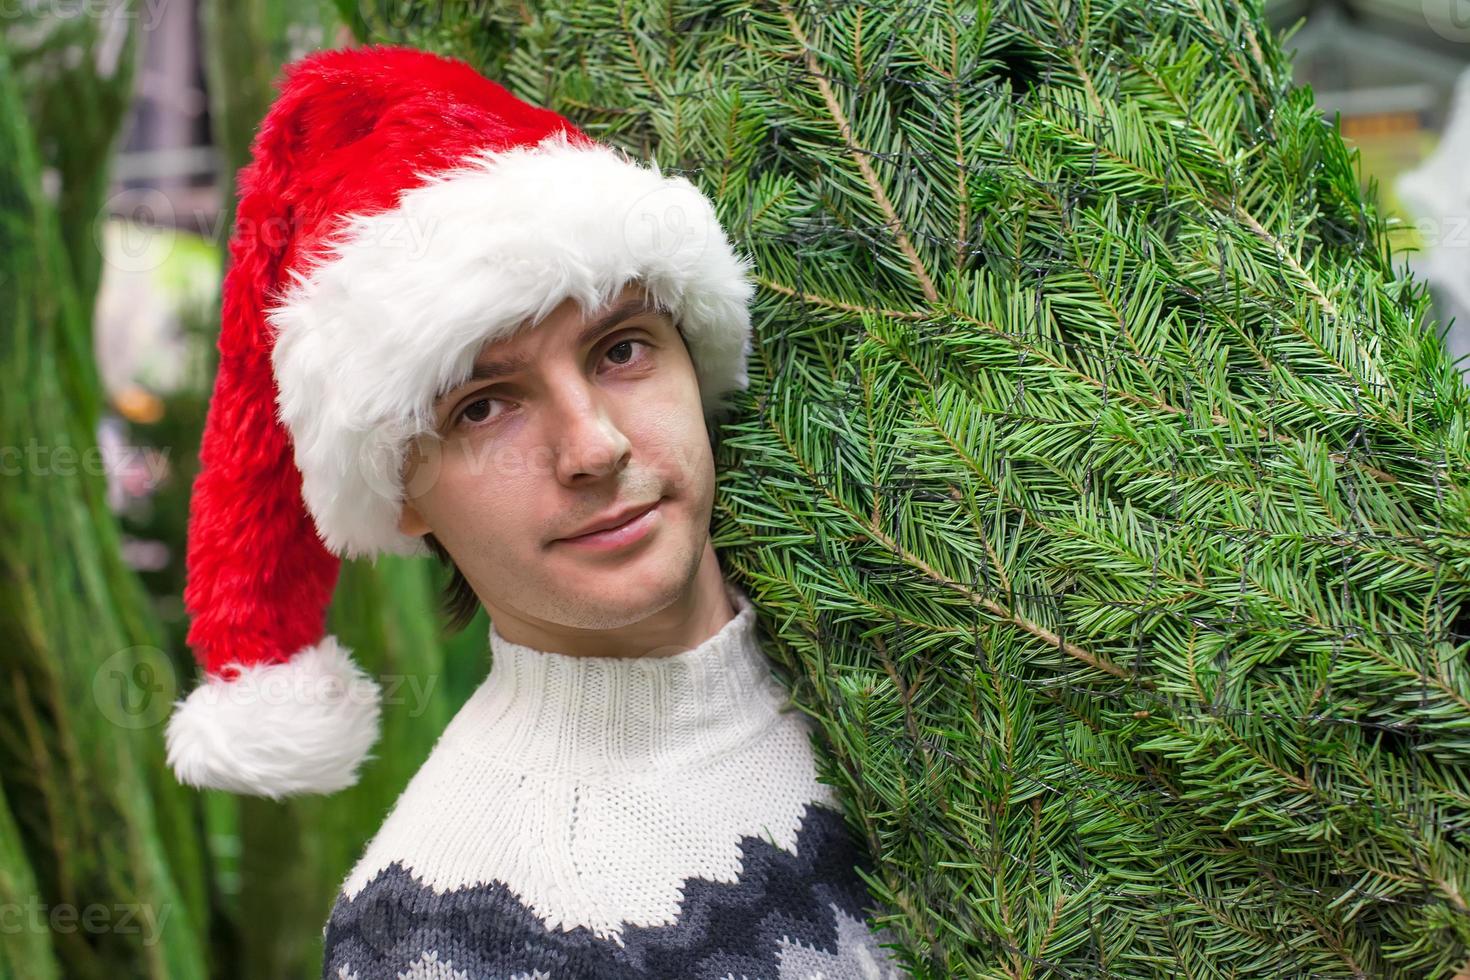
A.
pixel 399 212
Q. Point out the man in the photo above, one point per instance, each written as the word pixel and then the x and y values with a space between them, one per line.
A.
pixel 482 343
pixel 592 429
pixel 629 792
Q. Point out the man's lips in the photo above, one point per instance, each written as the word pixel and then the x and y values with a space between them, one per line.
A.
pixel 632 529
pixel 616 520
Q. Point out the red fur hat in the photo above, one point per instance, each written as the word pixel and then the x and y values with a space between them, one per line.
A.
pixel 399 212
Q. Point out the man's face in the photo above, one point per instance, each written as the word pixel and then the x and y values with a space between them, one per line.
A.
pixel 587 425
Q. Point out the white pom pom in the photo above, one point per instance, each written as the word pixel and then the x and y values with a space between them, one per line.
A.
pixel 279 729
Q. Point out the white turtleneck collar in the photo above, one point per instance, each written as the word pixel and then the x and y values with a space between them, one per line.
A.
pixel 616 717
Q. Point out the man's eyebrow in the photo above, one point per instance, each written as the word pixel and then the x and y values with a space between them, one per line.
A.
pixel 491 370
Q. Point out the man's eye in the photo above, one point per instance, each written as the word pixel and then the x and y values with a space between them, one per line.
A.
pixel 464 413
pixel 623 343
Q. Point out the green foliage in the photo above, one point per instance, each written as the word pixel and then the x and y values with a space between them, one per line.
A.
pixel 74 70
pixel 100 872
pixel 1101 482
pixel 27 952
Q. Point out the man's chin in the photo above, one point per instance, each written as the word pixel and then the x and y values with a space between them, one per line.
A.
pixel 630 589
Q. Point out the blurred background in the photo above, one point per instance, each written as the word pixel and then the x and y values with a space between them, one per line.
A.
pixel 123 128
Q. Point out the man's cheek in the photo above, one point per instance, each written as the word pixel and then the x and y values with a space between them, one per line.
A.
pixel 687 464
pixel 478 459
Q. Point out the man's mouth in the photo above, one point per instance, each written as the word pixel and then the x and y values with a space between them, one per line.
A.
pixel 634 529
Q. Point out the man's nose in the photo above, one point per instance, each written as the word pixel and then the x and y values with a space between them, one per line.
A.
pixel 587 439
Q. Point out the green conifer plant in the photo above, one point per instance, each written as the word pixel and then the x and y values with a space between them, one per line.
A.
pixel 1102 483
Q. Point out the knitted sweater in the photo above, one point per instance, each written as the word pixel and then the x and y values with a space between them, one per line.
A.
pixel 595 818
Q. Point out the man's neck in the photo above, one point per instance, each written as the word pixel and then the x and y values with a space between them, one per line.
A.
pixel 682 625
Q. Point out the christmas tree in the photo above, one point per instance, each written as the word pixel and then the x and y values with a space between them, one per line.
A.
pixel 1101 482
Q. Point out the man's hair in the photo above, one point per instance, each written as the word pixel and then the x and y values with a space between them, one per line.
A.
pixel 458 602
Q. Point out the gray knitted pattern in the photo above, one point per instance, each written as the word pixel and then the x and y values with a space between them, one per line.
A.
pixel 787 917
